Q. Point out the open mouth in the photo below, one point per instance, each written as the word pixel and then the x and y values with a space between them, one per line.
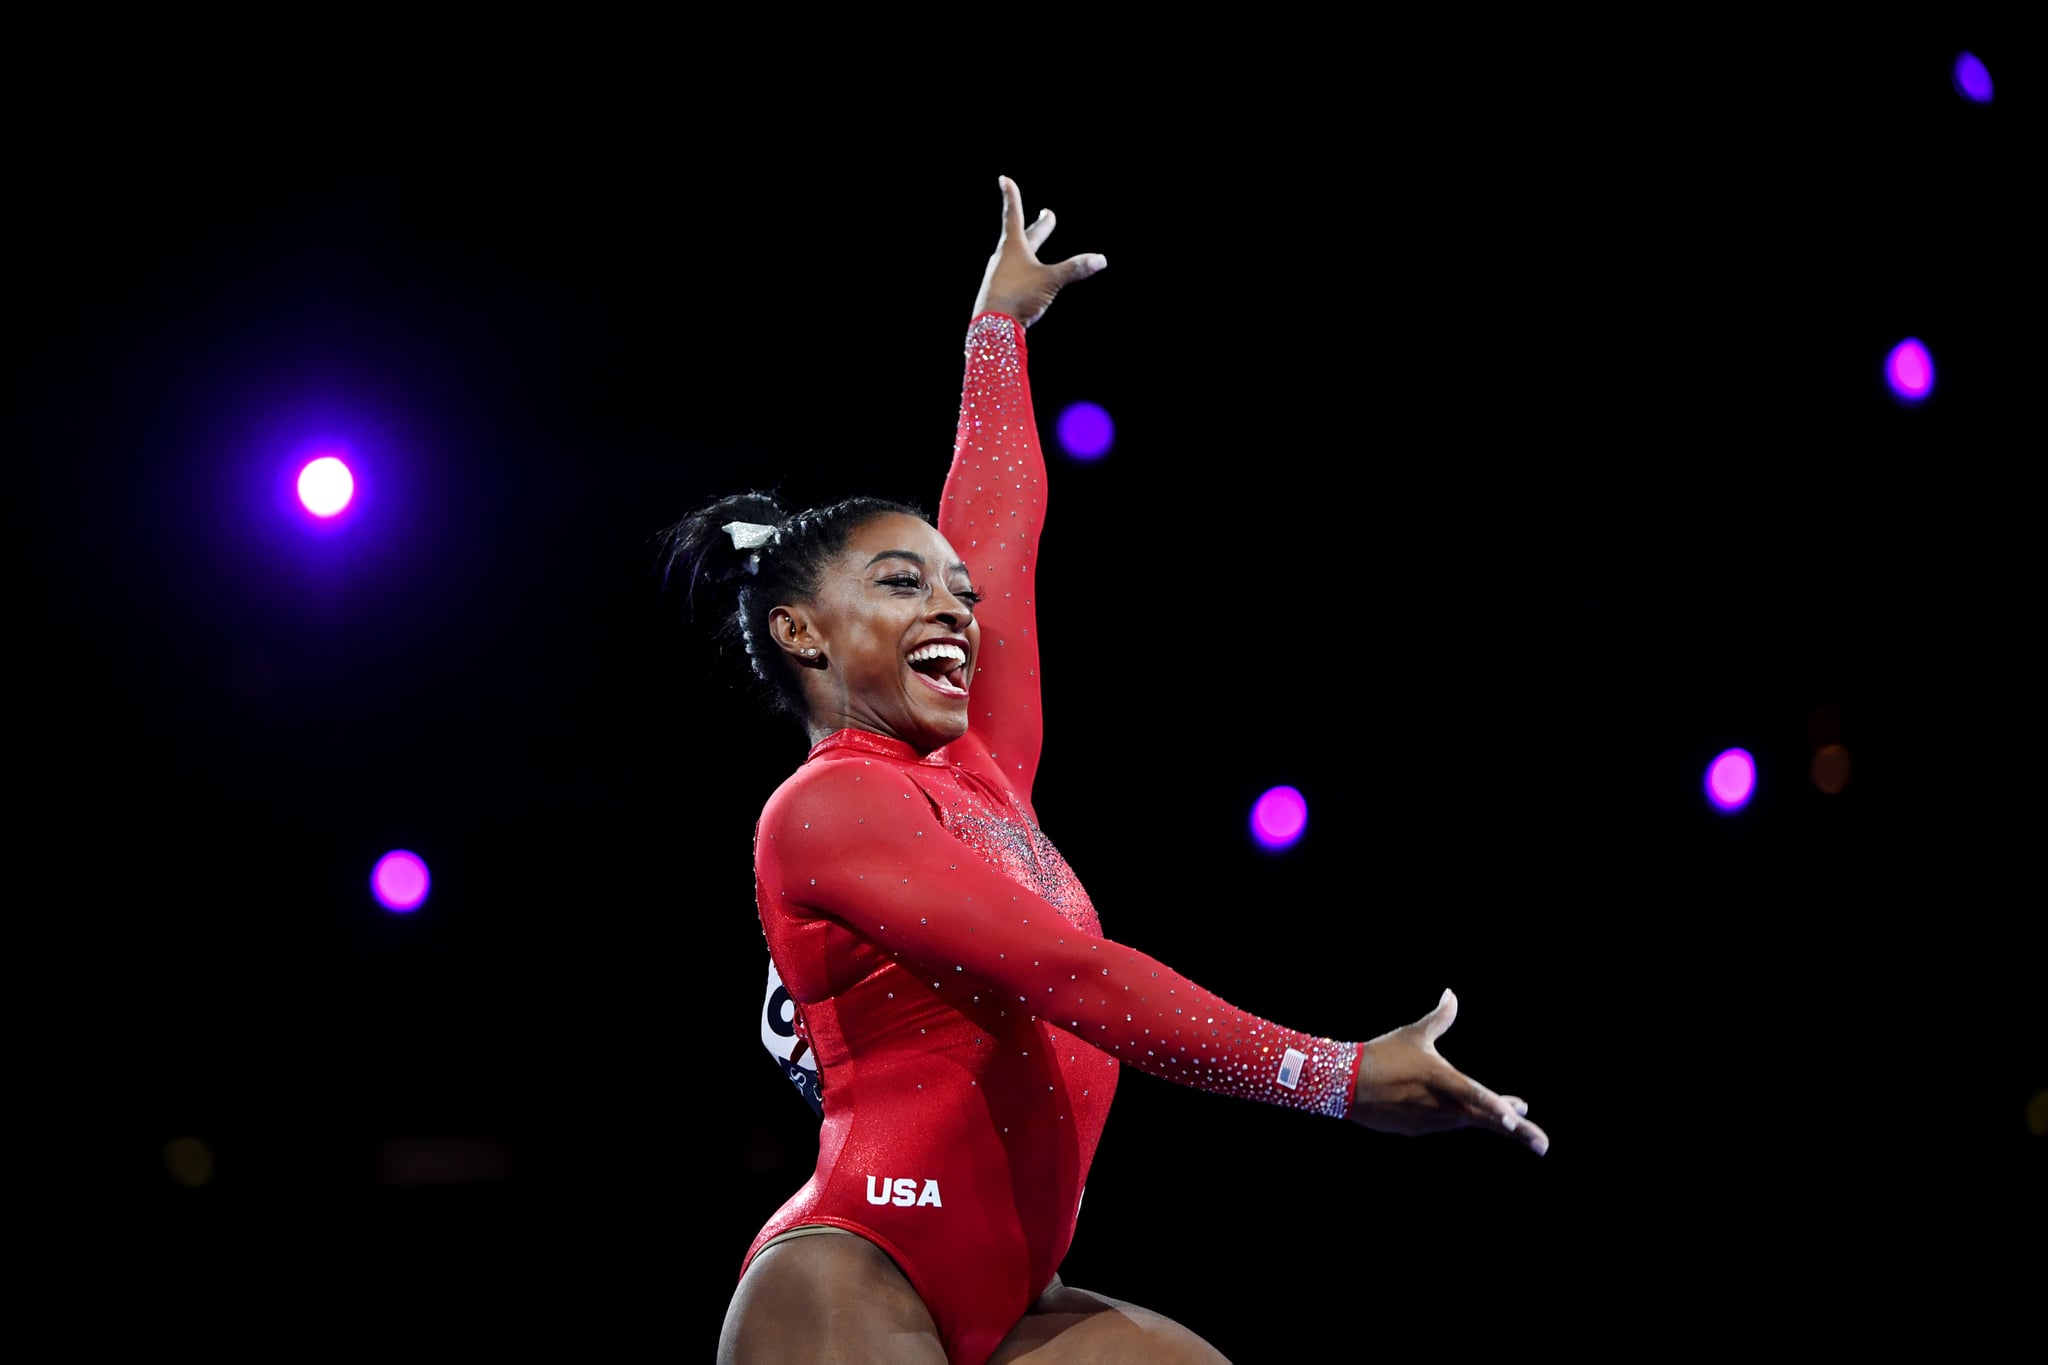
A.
pixel 941 667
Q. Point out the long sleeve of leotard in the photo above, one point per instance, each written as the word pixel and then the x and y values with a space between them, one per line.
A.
pixel 861 845
pixel 992 513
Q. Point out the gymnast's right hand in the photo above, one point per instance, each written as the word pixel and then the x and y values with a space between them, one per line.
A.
pixel 1016 281
pixel 1405 1086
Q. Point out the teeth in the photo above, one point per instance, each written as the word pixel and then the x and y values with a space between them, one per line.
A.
pixel 924 652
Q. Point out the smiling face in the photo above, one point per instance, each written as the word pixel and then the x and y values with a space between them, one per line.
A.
pixel 893 623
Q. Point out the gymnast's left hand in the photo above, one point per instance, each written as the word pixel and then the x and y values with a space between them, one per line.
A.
pixel 1016 281
pixel 1405 1086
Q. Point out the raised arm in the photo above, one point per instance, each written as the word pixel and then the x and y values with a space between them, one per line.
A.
pixel 993 508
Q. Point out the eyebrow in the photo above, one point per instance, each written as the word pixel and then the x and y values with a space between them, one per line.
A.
pixel 958 566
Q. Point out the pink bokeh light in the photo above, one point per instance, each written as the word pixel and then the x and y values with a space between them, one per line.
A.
pixel 1909 370
pixel 1279 817
pixel 400 881
pixel 1731 780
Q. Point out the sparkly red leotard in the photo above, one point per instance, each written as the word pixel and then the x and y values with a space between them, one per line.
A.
pixel 967 1015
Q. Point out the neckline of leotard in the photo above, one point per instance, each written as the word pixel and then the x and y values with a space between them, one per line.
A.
pixel 867 741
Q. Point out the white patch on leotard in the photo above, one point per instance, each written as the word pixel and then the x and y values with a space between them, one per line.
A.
pixel 779 1036
pixel 1290 1068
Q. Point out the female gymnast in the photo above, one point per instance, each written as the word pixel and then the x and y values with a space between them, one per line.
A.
pixel 967 1017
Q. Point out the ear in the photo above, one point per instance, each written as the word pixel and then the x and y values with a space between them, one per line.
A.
pixel 790 629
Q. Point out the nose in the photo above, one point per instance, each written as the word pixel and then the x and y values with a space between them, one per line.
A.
pixel 949 610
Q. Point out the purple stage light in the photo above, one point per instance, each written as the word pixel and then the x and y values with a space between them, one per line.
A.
pixel 1278 818
pixel 326 486
pixel 1909 369
pixel 1973 81
pixel 1085 431
pixel 400 881
pixel 1731 780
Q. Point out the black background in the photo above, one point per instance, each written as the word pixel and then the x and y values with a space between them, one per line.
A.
pixel 1501 434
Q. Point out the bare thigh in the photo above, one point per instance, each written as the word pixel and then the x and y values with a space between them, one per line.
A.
pixel 1069 1326
pixel 835 1299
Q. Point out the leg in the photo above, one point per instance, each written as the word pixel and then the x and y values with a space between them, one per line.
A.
pixel 1070 1326
pixel 834 1299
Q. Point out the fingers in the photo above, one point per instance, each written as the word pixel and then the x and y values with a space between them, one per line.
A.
pixel 1437 1020
pixel 1506 1114
pixel 1013 209
pixel 1016 281
pixel 1040 229
pixel 1485 1107
pixel 1081 267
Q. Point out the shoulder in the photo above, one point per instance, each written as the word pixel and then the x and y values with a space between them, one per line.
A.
pixel 838 810
pixel 832 784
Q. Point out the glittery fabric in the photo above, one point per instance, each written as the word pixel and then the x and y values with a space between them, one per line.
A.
pixel 968 1017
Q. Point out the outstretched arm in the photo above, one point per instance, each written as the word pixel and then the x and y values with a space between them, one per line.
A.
pixel 868 835
pixel 994 503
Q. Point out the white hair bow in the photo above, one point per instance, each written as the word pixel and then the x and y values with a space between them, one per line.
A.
pixel 751 535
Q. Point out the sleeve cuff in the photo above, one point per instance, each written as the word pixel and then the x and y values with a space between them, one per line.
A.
pixel 1351 1087
pixel 982 324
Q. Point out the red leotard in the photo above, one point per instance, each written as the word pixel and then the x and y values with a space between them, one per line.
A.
pixel 967 1015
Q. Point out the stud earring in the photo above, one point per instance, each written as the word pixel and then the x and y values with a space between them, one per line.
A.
pixel 811 652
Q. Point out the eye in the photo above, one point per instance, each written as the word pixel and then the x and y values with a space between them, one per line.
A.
pixel 904 582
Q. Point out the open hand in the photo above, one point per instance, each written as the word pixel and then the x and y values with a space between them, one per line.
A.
pixel 1016 281
pixel 1405 1086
